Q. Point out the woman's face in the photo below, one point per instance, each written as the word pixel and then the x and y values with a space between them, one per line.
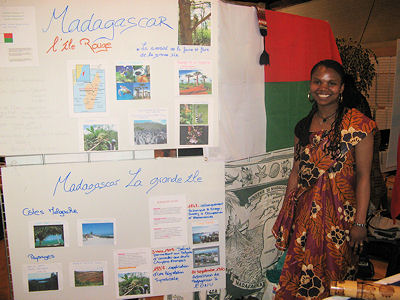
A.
pixel 325 86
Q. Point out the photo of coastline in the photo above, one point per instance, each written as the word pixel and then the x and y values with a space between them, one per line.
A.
pixel 205 234
pixel 95 234
pixel 48 236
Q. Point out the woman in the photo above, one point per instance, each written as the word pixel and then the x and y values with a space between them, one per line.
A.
pixel 322 223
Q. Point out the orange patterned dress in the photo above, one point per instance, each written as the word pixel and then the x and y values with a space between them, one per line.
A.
pixel 315 220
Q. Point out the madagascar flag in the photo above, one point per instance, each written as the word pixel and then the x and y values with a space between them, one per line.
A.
pixel 8 37
pixel 294 44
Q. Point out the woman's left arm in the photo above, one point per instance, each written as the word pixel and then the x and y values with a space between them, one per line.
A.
pixel 363 151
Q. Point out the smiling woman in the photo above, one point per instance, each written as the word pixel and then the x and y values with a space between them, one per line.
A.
pixel 322 222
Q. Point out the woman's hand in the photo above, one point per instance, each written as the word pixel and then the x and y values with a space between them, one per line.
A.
pixel 358 235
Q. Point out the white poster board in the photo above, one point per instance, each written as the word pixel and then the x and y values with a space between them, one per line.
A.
pixel 71 69
pixel 115 230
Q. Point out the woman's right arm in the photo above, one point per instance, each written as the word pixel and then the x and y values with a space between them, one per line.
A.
pixel 293 178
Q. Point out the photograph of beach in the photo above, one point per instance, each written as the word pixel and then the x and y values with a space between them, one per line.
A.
pixel 96 234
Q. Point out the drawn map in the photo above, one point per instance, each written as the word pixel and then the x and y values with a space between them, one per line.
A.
pixel 254 192
pixel 89 89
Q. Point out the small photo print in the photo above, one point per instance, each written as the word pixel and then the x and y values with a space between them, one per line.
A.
pixel 150 132
pixel 43 282
pixel 193 135
pixel 194 22
pixel 194 82
pixel 193 114
pixel 165 153
pixel 48 236
pixel 132 82
pixel 205 234
pixel 97 234
pixel 133 283
pixel 88 278
pixel 204 257
pixel 100 137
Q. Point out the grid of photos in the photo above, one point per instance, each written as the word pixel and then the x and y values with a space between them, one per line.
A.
pixel 150 132
pixel 193 124
pixel 100 137
pixel 97 233
pixel 132 82
pixel 194 22
pixel 205 257
pixel 48 235
pixel 133 283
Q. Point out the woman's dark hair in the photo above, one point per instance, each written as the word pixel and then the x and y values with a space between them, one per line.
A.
pixel 351 98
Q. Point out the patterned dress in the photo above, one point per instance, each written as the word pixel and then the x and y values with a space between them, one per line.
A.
pixel 316 218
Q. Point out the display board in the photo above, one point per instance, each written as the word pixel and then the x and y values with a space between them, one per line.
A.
pixel 115 230
pixel 95 76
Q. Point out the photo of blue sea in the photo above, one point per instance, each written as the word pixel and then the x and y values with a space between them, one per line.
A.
pixel 98 233
pixel 51 240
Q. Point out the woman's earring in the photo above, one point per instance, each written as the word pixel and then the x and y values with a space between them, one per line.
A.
pixel 310 98
pixel 340 98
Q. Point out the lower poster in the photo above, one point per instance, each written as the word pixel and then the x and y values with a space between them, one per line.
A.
pixel 254 192
pixel 115 229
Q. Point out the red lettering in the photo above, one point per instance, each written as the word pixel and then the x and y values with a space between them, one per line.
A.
pixel 53 47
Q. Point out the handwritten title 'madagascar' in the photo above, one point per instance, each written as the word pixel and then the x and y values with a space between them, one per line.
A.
pixel 108 27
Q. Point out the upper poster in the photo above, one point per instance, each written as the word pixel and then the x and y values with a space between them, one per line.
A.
pixel 118 73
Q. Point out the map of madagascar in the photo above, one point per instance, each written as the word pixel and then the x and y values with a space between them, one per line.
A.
pixel 89 89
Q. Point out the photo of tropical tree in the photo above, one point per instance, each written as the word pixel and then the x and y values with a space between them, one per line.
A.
pixel 194 22
pixel 100 137
pixel 48 236
pixel 194 82
pixel 133 283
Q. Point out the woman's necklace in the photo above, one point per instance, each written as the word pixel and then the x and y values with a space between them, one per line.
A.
pixel 324 119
